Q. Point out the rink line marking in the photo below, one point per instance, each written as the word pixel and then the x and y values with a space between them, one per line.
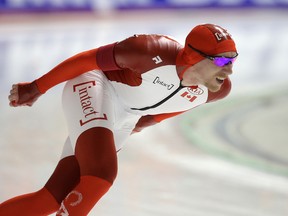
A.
pixel 236 156
pixel 211 166
pixel 230 128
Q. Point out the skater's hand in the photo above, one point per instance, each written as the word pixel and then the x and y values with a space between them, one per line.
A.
pixel 143 122
pixel 23 94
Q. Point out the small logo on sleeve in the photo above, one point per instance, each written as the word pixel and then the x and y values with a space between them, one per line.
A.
pixel 157 60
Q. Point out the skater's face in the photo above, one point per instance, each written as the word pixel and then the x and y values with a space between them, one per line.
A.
pixel 210 72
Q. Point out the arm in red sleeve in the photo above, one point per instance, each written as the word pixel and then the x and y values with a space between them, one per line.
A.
pixel 95 59
pixel 68 69
pixel 25 94
pixel 149 120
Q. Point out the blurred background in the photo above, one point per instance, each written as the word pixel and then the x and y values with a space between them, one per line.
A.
pixel 229 158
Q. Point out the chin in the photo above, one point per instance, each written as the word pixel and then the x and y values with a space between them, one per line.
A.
pixel 214 88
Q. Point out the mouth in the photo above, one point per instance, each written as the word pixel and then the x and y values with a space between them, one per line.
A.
pixel 220 80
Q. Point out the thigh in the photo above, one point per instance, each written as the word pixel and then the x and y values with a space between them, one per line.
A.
pixel 66 174
pixel 88 103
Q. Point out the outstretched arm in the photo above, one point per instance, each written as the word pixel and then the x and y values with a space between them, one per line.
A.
pixel 68 69
pixel 102 58
pixel 25 94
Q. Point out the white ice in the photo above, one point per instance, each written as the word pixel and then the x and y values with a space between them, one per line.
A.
pixel 160 172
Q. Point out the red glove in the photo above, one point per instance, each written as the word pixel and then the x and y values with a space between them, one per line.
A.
pixel 24 94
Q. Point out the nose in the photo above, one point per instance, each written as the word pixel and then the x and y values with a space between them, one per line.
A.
pixel 228 69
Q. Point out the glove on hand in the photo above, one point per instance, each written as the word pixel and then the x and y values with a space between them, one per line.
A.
pixel 23 94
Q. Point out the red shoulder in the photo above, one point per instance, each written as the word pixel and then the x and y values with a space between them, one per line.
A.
pixel 222 93
pixel 138 52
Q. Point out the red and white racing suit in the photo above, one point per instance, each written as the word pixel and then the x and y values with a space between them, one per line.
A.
pixel 110 92
pixel 136 85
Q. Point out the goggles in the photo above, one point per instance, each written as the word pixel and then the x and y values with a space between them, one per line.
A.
pixel 219 61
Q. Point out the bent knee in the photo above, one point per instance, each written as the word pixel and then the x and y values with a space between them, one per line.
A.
pixel 96 153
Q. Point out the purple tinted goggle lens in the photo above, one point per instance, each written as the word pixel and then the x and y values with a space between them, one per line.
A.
pixel 219 61
pixel 222 61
